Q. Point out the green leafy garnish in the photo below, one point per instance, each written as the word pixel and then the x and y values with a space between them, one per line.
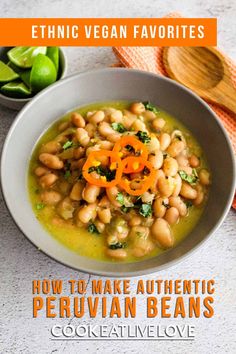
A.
pixel 192 179
pixel 67 174
pixel 68 144
pixel 93 229
pixel 120 198
pixel 39 206
pixel 145 210
pixel 102 171
pixel 139 234
pixel 118 127
pixel 117 245
pixel 143 137
pixel 129 148
pixel 150 107
pixel 165 205
pixel 188 203
pixel 124 209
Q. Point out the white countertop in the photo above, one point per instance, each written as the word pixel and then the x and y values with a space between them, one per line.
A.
pixel 21 262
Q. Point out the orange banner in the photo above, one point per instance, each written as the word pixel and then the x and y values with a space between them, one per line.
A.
pixel 108 31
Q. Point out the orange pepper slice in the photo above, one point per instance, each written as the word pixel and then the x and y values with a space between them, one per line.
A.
pixel 145 183
pixel 92 165
pixel 138 146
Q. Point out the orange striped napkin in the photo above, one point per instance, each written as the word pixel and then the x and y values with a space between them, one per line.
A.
pixel 150 59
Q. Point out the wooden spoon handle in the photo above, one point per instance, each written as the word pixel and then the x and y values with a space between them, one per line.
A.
pixel 226 96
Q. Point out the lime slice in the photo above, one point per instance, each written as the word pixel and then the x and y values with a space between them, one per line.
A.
pixel 15 68
pixel 43 73
pixel 53 54
pixel 25 77
pixel 6 73
pixel 16 89
pixel 24 56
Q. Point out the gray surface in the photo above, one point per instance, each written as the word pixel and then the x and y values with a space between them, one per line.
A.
pixel 20 262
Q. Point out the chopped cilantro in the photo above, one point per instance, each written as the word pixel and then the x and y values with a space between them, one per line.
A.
pixel 192 179
pixel 116 246
pixel 146 171
pixel 150 107
pixel 68 144
pixel 40 206
pixel 129 148
pixel 118 127
pixel 145 210
pixel 67 174
pixel 143 137
pixel 165 205
pixel 124 209
pixel 188 203
pixel 139 234
pixel 120 198
pixel 93 229
pixel 102 171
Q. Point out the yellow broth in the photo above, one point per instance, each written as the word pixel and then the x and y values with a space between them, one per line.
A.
pixel 79 240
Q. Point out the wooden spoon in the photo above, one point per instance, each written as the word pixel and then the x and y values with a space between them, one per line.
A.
pixel 204 70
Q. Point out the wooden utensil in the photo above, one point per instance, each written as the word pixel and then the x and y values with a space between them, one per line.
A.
pixel 204 70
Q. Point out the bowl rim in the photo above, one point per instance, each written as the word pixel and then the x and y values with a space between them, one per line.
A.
pixel 108 273
pixel 25 100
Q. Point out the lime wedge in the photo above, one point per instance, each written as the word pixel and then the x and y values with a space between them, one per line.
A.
pixel 25 77
pixel 43 73
pixel 53 54
pixel 6 73
pixel 16 89
pixel 15 68
pixel 24 56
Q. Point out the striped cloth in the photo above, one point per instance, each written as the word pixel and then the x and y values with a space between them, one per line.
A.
pixel 150 59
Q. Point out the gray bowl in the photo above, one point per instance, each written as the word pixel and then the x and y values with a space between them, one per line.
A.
pixel 108 85
pixel 18 103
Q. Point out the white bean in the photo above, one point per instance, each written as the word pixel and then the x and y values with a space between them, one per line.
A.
pixel 172 215
pixel 161 232
pixel 178 203
pixel 164 141
pixel 187 191
pixel 170 166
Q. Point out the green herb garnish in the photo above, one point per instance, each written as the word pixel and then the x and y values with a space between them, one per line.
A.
pixel 93 229
pixel 102 171
pixel 124 209
pixel 139 234
pixel 129 148
pixel 165 205
pixel 39 206
pixel 145 210
pixel 67 174
pixel 150 107
pixel 143 137
pixel 68 144
pixel 117 245
pixel 120 198
pixel 118 127
pixel 192 179
pixel 188 203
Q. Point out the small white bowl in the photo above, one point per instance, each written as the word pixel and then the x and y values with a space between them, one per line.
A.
pixel 18 103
